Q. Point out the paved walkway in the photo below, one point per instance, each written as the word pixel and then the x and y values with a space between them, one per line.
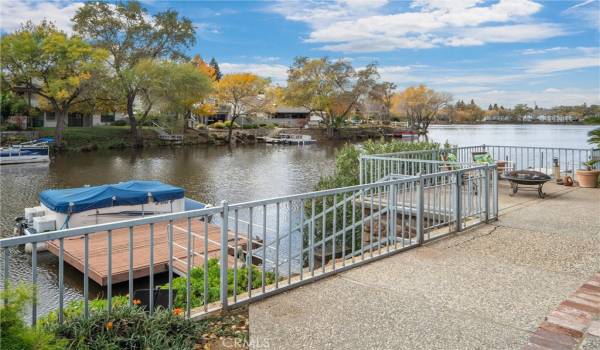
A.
pixel 486 288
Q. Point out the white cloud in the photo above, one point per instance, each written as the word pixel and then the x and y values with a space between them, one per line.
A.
pixel 277 72
pixel 587 11
pixel 393 69
pixel 13 13
pixel 564 64
pixel 488 86
pixel 543 98
pixel 206 28
pixel 429 23
pixel 543 51
pixel 267 58
pixel 512 33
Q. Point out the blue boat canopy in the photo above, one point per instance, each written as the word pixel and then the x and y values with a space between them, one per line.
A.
pixel 74 200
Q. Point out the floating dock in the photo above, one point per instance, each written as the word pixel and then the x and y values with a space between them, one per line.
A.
pixel 98 250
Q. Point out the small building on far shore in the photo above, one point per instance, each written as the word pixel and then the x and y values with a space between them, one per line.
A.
pixel 293 117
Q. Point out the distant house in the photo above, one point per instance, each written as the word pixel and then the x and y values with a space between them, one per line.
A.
pixel 294 117
pixel 74 119
pixel 84 119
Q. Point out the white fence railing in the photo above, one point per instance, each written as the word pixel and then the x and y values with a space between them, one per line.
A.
pixel 269 246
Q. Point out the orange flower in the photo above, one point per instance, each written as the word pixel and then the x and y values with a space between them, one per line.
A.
pixel 109 325
pixel 177 311
pixel 137 301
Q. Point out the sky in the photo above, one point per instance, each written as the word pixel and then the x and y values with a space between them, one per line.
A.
pixel 506 52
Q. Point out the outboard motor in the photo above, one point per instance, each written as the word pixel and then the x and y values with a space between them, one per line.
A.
pixel 20 225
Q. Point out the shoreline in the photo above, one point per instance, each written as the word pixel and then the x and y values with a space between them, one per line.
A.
pixel 90 139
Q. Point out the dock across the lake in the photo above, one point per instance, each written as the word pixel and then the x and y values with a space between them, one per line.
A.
pixel 74 251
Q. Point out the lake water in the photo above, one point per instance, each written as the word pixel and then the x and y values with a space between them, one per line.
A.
pixel 563 136
pixel 211 174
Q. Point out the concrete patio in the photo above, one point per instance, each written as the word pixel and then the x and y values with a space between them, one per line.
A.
pixel 485 288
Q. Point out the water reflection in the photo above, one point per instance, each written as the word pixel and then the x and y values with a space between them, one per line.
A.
pixel 208 174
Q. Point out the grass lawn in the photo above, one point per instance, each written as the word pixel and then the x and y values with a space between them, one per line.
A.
pixel 98 136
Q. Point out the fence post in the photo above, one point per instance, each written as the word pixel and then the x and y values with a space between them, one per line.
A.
pixel 224 253
pixel 457 203
pixel 360 170
pixel 495 192
pixel 486 193
pixel 392 198
pixel 420 210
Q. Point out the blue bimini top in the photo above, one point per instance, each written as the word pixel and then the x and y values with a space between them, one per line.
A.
pixel 74 200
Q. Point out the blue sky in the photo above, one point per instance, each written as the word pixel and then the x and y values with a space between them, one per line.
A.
pixel 507 51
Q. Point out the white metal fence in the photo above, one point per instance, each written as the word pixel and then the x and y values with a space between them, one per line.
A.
pixel 272 245
pixel 516 157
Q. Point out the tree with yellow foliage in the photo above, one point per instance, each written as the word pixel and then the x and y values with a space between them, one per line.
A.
pixel 206 107
pixel 244 92
pixel 204 68
pixel 63 70
pixel 420 105
pixel 171 87
pixel 332 89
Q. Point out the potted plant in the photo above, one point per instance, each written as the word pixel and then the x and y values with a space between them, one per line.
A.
pixel 588 177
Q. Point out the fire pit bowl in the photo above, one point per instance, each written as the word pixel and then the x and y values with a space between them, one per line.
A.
pixel 527 178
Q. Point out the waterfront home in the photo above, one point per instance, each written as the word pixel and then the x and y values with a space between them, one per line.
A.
pixel 296 117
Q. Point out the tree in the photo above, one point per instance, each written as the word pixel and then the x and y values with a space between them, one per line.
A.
pixel 171 87
pixel 11 104
pixel 384 94
pixel 204 68
pixel 332 89
pixel 215 66
pixel 421 105
pixel 521 110
pixel 242 91
pixel 63 70
pixel 130 35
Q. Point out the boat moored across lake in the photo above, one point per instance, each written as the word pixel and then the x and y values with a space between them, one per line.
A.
pixel 36 151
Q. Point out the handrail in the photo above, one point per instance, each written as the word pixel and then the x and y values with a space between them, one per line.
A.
pixel 364 220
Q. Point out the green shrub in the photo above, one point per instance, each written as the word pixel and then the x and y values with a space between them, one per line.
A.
pixel 218 125
pixel 214 280
pixel 14 333
pixel 346 173
pixel 268 125
pixel 12 127
pixel 128 328
pixel 120 122
pixel 228 124
pixel 249 126
pixel 74 309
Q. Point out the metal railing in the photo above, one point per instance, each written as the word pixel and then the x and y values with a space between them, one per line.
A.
pixel 517 157
pixel 269 246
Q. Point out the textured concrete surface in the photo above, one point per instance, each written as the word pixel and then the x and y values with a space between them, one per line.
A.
pixel 487 288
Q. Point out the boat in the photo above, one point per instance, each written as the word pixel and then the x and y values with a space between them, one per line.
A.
pixel 90 205
pixel 291 139
pixel 36 151
pixel 405 134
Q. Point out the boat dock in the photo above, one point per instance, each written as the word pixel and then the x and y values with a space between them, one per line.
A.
pixel 98 250
pixel 288 139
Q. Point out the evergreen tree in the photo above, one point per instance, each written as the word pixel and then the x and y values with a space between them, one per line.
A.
pixel 215 66
pixel 495 106
pixel 490 107
pixel 472 102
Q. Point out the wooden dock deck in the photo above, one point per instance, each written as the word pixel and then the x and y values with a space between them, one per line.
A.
pixel 98 250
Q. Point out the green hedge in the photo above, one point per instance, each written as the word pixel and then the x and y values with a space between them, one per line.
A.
pixel 214 280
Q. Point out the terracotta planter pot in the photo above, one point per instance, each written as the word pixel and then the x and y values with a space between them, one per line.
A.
pixel 587 178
